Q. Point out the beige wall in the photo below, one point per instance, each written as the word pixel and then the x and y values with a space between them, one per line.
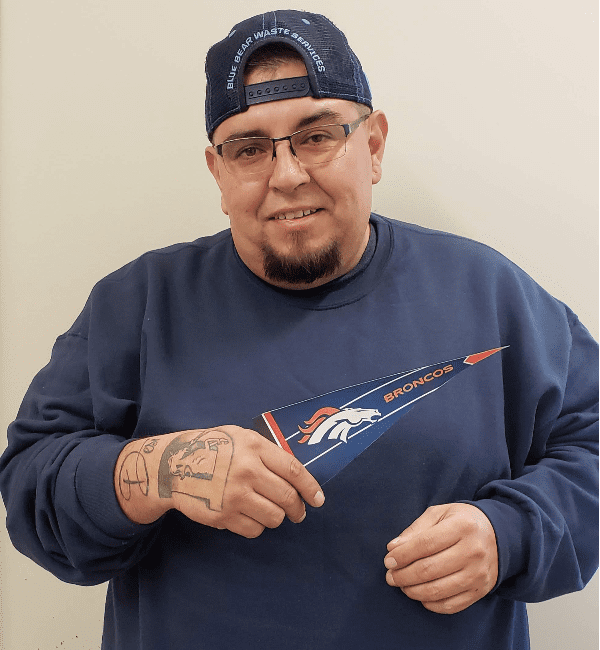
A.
pixel 493 113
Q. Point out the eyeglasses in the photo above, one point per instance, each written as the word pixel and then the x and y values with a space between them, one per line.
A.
pixel 314 146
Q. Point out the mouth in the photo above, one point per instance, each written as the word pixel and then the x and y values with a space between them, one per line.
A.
pixel 292 215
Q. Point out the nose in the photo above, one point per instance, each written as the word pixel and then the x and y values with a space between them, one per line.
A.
pixel 288 173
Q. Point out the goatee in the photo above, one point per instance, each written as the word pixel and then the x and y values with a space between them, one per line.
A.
pixel 304 268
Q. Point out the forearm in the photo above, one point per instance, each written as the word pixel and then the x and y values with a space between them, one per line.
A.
pixel 62 511
pixel 545 513
pixel 546 523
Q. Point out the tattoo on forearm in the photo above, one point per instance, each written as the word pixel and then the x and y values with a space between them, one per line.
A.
pixel 149 446
pixel 133 473
pixel 197 464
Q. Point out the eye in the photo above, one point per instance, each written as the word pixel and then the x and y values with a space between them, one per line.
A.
pixel 247 153
pixel 244 152
pixel 317 138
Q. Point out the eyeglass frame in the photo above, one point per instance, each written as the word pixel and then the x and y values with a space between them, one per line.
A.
pixel 349 128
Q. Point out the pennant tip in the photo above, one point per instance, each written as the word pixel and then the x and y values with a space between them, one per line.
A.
pixel 472 359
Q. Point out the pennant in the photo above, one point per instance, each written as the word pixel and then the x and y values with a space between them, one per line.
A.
pixel 327 432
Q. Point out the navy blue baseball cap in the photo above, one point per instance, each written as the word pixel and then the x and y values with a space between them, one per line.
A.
pixel 333 68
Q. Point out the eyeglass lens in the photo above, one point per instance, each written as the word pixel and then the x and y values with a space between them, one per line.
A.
pixel 310 146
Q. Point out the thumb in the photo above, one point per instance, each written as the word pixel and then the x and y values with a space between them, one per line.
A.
pixel 427 520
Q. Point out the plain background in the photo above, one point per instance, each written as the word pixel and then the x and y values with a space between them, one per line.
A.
pixel 493 114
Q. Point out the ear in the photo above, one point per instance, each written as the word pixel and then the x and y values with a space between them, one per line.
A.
pixel 378 125
pixel 216 169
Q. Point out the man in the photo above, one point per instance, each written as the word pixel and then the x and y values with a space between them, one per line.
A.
pixel 133 458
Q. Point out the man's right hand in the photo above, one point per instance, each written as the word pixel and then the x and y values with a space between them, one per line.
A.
pixel 225 477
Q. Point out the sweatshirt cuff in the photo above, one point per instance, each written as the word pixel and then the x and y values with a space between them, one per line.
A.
pixel 510 526
pixel 94 485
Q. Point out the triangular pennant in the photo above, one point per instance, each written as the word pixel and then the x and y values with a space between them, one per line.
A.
pixel 327 432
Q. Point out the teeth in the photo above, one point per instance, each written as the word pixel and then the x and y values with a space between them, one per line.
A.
pixel 296 215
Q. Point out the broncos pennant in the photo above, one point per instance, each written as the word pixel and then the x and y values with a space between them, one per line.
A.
pixel 327 432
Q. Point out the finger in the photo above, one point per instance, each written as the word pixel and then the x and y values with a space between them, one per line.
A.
pixel 389 578
pixel 290 469
pixel 245 526
pixel 263 511
pixel 282 494
pixel 419 525
pixel 435 598
pixel 424 544
pixel 452 605
pixel 431 568
pixel 436 590
pixel 426 521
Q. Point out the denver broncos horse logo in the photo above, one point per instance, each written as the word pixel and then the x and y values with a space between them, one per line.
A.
pixel 335 422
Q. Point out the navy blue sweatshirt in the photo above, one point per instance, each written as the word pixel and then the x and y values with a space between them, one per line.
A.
pixel 187 337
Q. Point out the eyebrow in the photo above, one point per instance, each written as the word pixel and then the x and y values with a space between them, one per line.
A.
pixel 325 114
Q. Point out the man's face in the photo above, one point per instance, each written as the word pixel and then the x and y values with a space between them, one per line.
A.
pixel 330 202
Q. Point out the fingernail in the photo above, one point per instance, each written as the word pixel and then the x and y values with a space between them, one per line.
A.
pixel 302 519
pixel 390 563
pixel 389 579
pixel 398 540
pixel 319 499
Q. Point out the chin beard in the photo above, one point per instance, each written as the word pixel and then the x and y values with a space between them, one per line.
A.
pixel 302 269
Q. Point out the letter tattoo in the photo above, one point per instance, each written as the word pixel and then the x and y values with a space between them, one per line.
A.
pixel 197 463
pixel 133 472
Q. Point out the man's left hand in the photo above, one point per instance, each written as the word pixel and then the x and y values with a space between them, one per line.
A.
pixel 447 558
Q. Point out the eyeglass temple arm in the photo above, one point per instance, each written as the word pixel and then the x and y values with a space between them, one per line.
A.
pixel 350 128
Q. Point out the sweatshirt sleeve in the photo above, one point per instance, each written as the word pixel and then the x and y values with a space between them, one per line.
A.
pixel 56 475
pixel 546 515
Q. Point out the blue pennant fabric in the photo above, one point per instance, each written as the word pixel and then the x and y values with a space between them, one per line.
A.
pixel 327 432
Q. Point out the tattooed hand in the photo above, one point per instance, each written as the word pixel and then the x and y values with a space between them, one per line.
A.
pixel 226 477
